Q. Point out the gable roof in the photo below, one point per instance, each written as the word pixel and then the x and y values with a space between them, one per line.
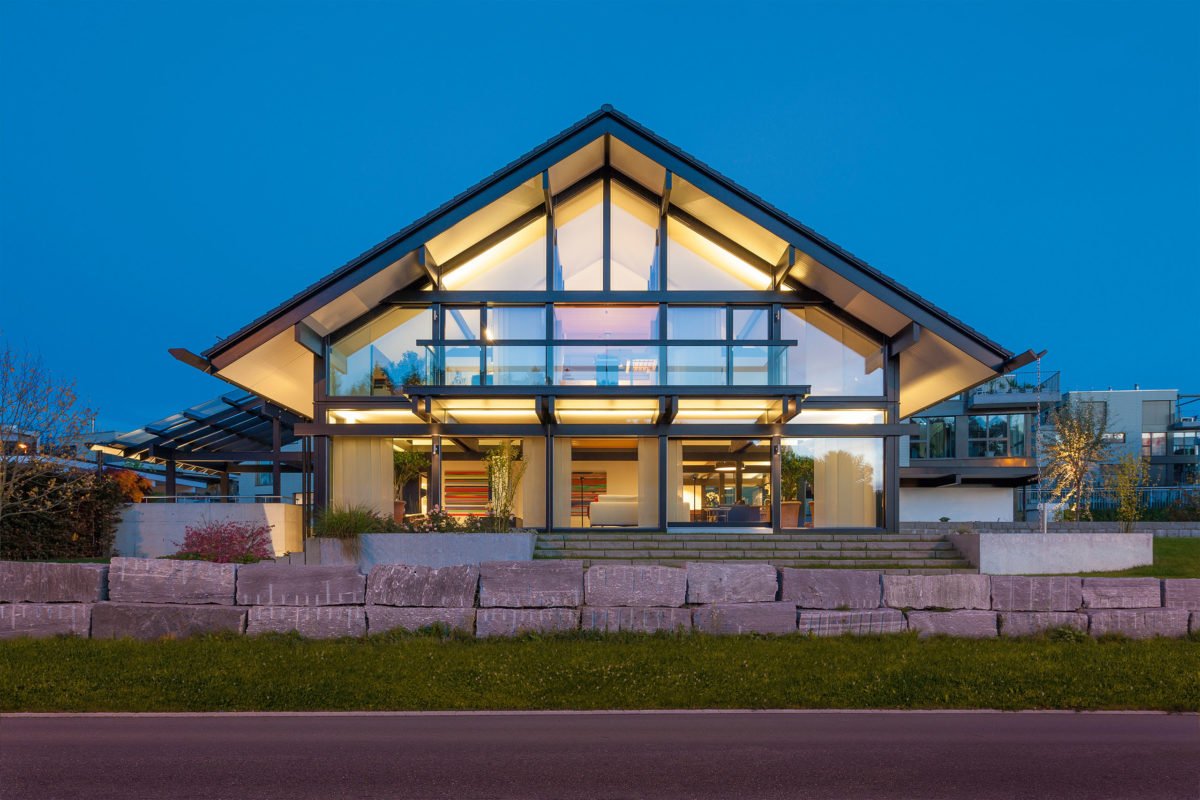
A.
pixel 871 287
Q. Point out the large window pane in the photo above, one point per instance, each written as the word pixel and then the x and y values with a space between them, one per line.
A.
pixel 634 247
pixel 696 366
pixel 750 323
pixel 516 264
pixel 606 322
pixel 832 483
pixel 694 262
pixel 516 322
pixel 696 322
pixel 834 359
pixel 462 323
pixel 720 482
pixel 516 366
pixel 382 356
pixel 604 365
pixel 579 243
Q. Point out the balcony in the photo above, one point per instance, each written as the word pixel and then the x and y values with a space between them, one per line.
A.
pixel 1016 390
pixel 1186 415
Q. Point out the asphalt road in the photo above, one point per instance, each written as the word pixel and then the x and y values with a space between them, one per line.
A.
pixel 602 755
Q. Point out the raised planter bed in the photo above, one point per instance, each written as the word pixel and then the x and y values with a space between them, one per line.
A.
pixel 1020 553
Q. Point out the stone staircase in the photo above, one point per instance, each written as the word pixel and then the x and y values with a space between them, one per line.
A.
pixel 897 553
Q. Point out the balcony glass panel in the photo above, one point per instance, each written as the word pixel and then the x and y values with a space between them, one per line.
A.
pixel 750 366
pixel 516 322
pixel 634 247
pixel 834 359
pixel 383 355
pixel 579 241
pixel 516 366
pixel 605 365
pixel 696 322
pixel 697 263
pixel 696 366
pixel 460 365
pixel 518 263
pixel 606 322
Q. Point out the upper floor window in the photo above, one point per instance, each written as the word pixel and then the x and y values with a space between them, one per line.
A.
pixel 996 436
pixel 935 438
pixel 830 356
pixel 1154 444
pixel 1185 443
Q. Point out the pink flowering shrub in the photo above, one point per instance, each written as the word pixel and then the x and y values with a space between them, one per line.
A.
pixel 227 542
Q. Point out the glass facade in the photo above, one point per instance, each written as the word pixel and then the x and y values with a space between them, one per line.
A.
pixel 832 483
pixel 996 436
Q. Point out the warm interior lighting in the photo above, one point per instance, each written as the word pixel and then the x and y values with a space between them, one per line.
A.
pixel 726 466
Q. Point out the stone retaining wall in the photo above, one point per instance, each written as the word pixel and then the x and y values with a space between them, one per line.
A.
pixel 153 599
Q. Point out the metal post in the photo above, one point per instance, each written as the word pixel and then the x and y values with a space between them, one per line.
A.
pixel 171 490
pixel 662 484
pixel 435 472
pixel 776 483
pixel 276 448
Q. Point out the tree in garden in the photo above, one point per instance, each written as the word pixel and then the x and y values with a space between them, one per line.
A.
pixel 505 471
pixel 1125 478
pixel 1074 448
pixel 41 423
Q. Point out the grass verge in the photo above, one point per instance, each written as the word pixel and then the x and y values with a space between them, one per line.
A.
pixel 432 672
pixel 1173 558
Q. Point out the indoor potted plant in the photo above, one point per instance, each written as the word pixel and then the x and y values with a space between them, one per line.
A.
pixel 406 465
pixel 795 475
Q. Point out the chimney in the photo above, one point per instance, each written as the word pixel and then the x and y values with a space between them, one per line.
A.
pixel 1136 387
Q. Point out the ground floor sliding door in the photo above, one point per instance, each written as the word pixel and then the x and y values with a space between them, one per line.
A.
pixel 624 482
pixel 606 482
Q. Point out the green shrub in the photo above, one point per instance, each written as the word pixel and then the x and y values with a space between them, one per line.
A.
pixel 346 522
pixel 82 528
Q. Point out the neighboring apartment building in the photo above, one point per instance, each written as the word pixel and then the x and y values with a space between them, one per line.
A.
pixel 1160 425
pixel 972 450
pixel 666 350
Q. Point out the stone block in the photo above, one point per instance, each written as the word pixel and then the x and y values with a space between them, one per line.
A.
pixel 1182 593
pixel 830 588
pixel 727 618
pixel 1019 593
pixel 639 620
pixel 1194 625
pixel 515 621
pixel 163 620
pixel 288 585
pixel 45 619
pixel 531 584
pixel 1140 623
pixel 725 582
pixel 35 582
pixel 1122 593
pixel 386 618
pixel 635 585
pixel 412 585
pixel 312 622
pixel 937 591
pixel 1031 623
pixel 964 624
pixel 865 621
pixel 153 580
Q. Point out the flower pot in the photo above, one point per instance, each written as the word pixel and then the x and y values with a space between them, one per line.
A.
pixel 398 509
pixel 789 514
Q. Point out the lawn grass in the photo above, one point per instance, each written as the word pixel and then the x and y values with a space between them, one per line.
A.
pixel 1173 558
pixel 431 672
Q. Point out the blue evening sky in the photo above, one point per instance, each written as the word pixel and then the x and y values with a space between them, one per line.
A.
pixel 169 171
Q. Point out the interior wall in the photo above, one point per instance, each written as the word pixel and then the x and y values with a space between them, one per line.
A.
pixel 677 509
pixel 840 497
pixel 647 481
pixel 562 483
pixel 361 472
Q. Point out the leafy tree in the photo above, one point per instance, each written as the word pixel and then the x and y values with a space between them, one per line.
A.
pixel 1125 478
pixel 1074 448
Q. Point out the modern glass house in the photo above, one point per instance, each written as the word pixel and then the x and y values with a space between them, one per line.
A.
pixel 667 350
